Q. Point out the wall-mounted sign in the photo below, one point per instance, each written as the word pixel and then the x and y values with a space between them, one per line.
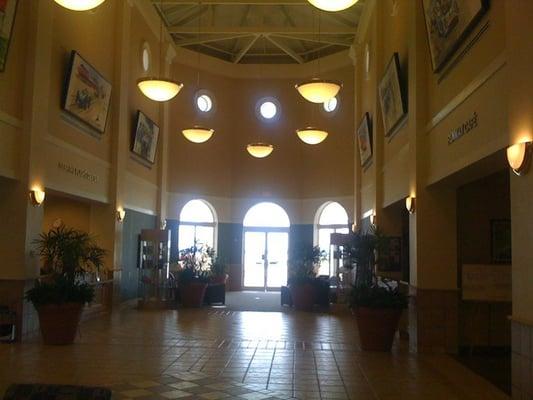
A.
pixel 78 172
pixel 463 129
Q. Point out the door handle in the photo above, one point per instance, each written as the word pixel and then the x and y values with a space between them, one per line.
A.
pixel 273 262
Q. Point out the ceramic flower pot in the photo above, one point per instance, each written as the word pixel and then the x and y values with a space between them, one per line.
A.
pixel 192 294
pixel 377 327
pixel 59 322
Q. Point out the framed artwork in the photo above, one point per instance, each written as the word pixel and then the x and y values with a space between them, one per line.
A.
pixel 500 231
pixel 364 140
pixel 87 94
pixel 448 22
pixel 145 138
pixel 8 10
pixel 393 107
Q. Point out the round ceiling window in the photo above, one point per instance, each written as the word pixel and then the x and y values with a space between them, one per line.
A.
pixel 331 105
pixel 204 103
pixel 268 109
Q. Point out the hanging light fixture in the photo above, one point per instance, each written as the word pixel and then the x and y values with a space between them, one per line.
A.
pixel 198 134
pixel 260 150
pixel 159 88
pixel 318 90
pixel 312 135
pixel 333 5
pixel 79 5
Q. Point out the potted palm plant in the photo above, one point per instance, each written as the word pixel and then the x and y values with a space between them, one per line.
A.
pixel 59 296
pixel 376 303
pixel 303 265
pixel 193 277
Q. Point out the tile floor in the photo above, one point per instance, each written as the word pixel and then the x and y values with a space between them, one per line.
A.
pixel 213 354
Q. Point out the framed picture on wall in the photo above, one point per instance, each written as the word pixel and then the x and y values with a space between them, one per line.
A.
pixel 393 106
pixel 87 93
pixel 364 139
pixel 448 23
pixel 8 10
pixel 500 231
pixel 145 138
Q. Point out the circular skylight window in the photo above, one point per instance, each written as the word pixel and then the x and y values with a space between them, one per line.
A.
pixel 145 57
pixel 268 110
pixel 331 105
pixel 204 103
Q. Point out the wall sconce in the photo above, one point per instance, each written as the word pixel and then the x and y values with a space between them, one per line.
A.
pixel 121 214
pixel 373 219
pixel 519 157
pixel 37 197
pixel 410 204
pixel 354 227
pixel 163 224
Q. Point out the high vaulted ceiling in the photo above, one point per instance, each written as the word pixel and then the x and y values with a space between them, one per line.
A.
pixel 255 31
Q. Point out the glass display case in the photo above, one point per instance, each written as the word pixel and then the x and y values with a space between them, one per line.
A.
pixel 341 266
pixel 155 283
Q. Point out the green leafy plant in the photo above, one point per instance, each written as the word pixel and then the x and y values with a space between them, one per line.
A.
pixel 369 290
pixel 219 267
pixel 304 261
pixel 68 255
pixel 196 262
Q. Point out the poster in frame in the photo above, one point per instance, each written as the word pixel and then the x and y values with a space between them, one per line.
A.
pixel 364 139
pixel 87 94
pixel 391 96
pixel 448 23
pixel 8 11
pixel 145 138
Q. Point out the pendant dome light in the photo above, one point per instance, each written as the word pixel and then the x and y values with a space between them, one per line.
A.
pixel 333 5
pixel 318 90
pixel 198 134
pixel 158 88
pixel 260 150
pixel 312 135
pixel 79 5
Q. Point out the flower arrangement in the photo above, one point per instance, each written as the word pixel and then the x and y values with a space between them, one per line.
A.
pixel 195 263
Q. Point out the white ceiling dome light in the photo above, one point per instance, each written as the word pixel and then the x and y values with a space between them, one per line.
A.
pixel 333 5
pixel 159 89
pixel 79 5
pixel 312 135
pixel 318 91
pixel 198 134
pixel 260 150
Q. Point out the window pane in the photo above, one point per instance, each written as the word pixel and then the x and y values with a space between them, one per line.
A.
pixel 185 236
pixel 333 214
pixel 324 240
pixel 196 211
pixel 205 235
pixel 267 215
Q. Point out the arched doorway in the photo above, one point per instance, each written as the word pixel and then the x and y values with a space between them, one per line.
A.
pixel 266 247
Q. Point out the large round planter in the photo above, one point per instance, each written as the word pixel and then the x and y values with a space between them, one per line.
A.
pixel 192 294
pixel 219 279
pixel 303 296
pixel 59 322
pixel 377 327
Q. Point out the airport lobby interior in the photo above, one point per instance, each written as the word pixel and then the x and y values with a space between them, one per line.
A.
pixel 266 199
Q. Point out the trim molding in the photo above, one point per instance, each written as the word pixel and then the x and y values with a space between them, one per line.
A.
pixel 74 149
pixel 10 120
pixel 494 67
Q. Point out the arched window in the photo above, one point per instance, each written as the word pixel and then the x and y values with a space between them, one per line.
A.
pixel 197 225
pixel 331 218
pixel 267 215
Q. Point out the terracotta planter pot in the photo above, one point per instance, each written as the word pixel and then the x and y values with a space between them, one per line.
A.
pixel 377 327
pixel 219 279
pixel 59 322
pixel 303 296
pixel 192 294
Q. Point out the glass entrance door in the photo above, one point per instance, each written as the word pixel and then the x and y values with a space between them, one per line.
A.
pixel 265 259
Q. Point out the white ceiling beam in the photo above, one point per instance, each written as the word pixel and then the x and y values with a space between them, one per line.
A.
pixel 242 52
pixel 253 30
pixel 203 40
pixel 321 40
pixel 286 49
pixel 191 15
